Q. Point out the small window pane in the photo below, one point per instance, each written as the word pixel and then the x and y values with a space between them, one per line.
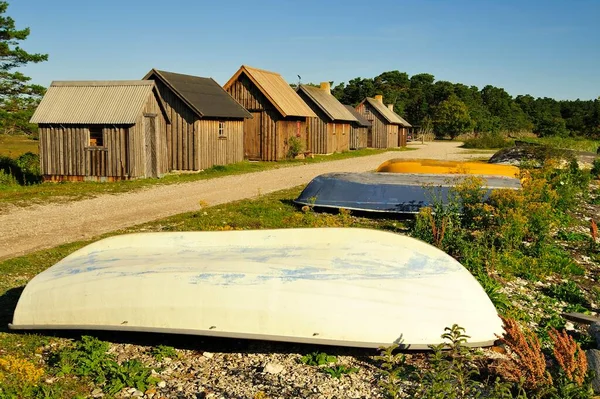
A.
pixel 96 137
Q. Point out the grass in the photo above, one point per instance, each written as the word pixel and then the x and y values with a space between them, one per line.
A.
pixel 13 146
pixel 573 143
pixel 61 192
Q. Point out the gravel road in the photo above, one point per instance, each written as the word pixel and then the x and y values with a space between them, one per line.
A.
pixel 25 230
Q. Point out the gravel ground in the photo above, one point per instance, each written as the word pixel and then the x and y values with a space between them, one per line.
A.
pixel 54 224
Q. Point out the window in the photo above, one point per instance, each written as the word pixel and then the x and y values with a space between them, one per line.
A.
pixel 222 134
pixel 96 136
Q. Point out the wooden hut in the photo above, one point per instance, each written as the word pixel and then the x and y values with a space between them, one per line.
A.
pixel 385 131
pixel 102 131
pixel 278 113
pixel 207 123
pixel 358 130
pixel 329 132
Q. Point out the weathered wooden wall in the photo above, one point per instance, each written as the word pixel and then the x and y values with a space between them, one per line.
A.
pixel 65 153
pixel 338 137
pixel 274 130
pixel 358 137
pixel 181 142
pixel 214 150
pixel 402 135
pixel 383 134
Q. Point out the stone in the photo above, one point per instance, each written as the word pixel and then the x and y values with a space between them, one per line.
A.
pixel 208 355
pixel 273 368
pixel 593 359
pixel 137 394
pixel 161 384
pixel 594 331
pixel 97 393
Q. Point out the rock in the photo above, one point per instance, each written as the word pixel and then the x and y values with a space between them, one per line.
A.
pixel 137 394
pixel 208 355
pixel 161 384
pixel 594 331
pixel 131 391
pixel 593 359
pixel 97 393
pixel 273 368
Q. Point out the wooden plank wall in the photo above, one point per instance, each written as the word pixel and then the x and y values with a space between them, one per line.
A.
pixel 402 136
pixel 358 137
pixel 286 128
pixel 213 150
pixel 338 137
pixel 275 130
pixel 62 150
pixel 248 95
pixel 384 134
pixel 181 146
pixel 317 142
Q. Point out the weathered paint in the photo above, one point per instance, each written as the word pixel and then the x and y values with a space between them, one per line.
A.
pixel 379 288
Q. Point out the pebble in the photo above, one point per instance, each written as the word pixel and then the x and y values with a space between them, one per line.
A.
pixel 273 368
pixel 161 384
pixel 97 393
pixel 208 355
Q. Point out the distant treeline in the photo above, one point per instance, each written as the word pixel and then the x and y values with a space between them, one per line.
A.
pixel 454 108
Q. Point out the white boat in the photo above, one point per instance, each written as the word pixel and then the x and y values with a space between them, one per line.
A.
pixel 334 286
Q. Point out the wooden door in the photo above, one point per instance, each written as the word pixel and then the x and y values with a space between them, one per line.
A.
pixel 252 136
pixel 370 137
pixel 150 146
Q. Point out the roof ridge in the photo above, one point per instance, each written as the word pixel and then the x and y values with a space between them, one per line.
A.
pixel 260 70
pixel 58 83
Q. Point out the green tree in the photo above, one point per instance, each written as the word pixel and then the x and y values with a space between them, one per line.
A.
pixel 452 118
pixel 18 98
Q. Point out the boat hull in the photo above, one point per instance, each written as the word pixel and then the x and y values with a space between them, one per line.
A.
pixel 351 287
pixel 388 192
pixel 432 166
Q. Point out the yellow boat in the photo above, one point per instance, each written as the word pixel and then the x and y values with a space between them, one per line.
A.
pixel 431 166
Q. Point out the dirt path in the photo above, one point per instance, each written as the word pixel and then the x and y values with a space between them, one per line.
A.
pixel 37 227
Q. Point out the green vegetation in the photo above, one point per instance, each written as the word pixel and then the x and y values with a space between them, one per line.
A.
pixel 13 146
pixel 574 143
pixel 455 108
pixel 89 358
pixel 13 193
pixel 160 352
pixel 488 140
pixel 339 370
pixel 18 98
pixel 318 359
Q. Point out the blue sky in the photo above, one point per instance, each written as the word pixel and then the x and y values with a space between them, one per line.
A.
pixel 545 48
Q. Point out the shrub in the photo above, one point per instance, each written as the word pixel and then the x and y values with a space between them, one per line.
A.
pixel 487 140
pixel 89 358
pixel 295 147
pixel 23 170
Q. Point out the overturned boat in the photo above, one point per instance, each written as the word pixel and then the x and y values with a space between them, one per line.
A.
pixel 433 166
pixel 396 193
pixel 333 286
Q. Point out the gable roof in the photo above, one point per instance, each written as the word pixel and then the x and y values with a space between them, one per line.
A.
pixel 94 102
pixel 387 113
pixel 362 121
pixel 276 89
pixel 204 96
pixel 327 103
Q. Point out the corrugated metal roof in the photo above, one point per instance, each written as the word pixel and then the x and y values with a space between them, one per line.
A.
pixel 276 89
pixel 203 95
pixel 328 103
pixel 387 113
pixel 362 121
pixel 93 102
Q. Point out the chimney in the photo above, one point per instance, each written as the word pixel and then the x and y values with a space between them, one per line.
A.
pixel 326 86
pixel 391 107
pixel 379 97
